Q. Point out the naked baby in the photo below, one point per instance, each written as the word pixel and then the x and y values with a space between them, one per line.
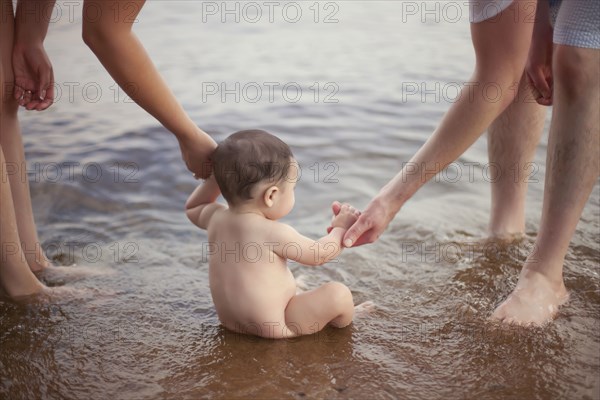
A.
pixel 252 288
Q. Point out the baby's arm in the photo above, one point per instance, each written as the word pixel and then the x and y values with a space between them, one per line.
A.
pixel 201 205
pixel 292 245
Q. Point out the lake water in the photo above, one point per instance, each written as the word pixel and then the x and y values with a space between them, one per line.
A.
pixel 108 189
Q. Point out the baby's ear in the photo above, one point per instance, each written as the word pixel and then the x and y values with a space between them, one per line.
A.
pixel 270 196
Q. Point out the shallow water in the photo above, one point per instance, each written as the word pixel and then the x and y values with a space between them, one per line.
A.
pixel 149 330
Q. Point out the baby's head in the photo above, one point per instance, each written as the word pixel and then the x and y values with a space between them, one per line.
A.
pixel 256 171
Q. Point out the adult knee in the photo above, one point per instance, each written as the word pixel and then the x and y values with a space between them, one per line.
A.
pixel 575 71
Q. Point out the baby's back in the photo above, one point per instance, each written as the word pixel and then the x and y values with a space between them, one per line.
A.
pixel 249 283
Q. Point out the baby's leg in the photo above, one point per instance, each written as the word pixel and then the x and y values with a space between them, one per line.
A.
pixel 310 311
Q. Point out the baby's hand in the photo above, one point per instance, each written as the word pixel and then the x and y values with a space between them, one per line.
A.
pixel 346 217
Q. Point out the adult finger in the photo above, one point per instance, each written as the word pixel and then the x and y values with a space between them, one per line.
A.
pixel 362 225
pixel 26 99
pixel 547 101
pixel 18 92
pixel 43 86
pixel 368 237
pixel 33 104
pixel 48 98
pixel 538 82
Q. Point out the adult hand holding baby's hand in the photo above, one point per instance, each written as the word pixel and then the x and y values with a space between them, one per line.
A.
pixel 370 224
pixel 346 217
pixel 196 150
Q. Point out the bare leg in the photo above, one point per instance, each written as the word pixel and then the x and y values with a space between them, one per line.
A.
pixel 15 275
pixel 572 169
pixel 512 139
pixel 16 217
pixel 310 311
pixel 124 57
pixel 11 143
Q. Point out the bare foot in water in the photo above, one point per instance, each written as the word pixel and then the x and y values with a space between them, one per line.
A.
pixel 72 272
pixel 534 301
pixel 364 309
pixel 51 294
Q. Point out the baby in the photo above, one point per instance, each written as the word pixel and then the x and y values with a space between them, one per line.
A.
pixel 252 288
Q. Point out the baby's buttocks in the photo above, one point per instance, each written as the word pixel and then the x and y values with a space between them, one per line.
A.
pixel 248 296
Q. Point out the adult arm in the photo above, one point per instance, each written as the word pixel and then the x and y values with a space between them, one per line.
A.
pixel 109 35
pixel 492 87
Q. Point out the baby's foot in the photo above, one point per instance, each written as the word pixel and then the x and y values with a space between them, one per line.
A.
pixel 534 301
pixel 364 309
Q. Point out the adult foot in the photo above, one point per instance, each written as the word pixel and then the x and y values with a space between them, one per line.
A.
pixel 37 261
pixel 534 301
pixel 72 272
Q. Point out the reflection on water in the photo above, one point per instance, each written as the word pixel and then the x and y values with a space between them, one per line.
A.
pixel 149 330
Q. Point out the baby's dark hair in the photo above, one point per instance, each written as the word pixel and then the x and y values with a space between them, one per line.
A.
pixel 247 158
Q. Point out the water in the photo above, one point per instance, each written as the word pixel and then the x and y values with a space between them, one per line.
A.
pixel 152 332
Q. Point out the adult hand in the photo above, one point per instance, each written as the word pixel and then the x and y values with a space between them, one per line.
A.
pixel 370 224
pixel 196 151
pixel 34 78
pixel 539 62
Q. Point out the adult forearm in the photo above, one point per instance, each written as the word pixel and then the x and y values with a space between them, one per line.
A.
pixel 493 86
pixel 462 125
pixel 32 19
pixel 126 60
pixel 499 68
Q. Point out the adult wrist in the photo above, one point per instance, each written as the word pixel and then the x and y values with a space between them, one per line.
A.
pixel 389 200
pixel 22 43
